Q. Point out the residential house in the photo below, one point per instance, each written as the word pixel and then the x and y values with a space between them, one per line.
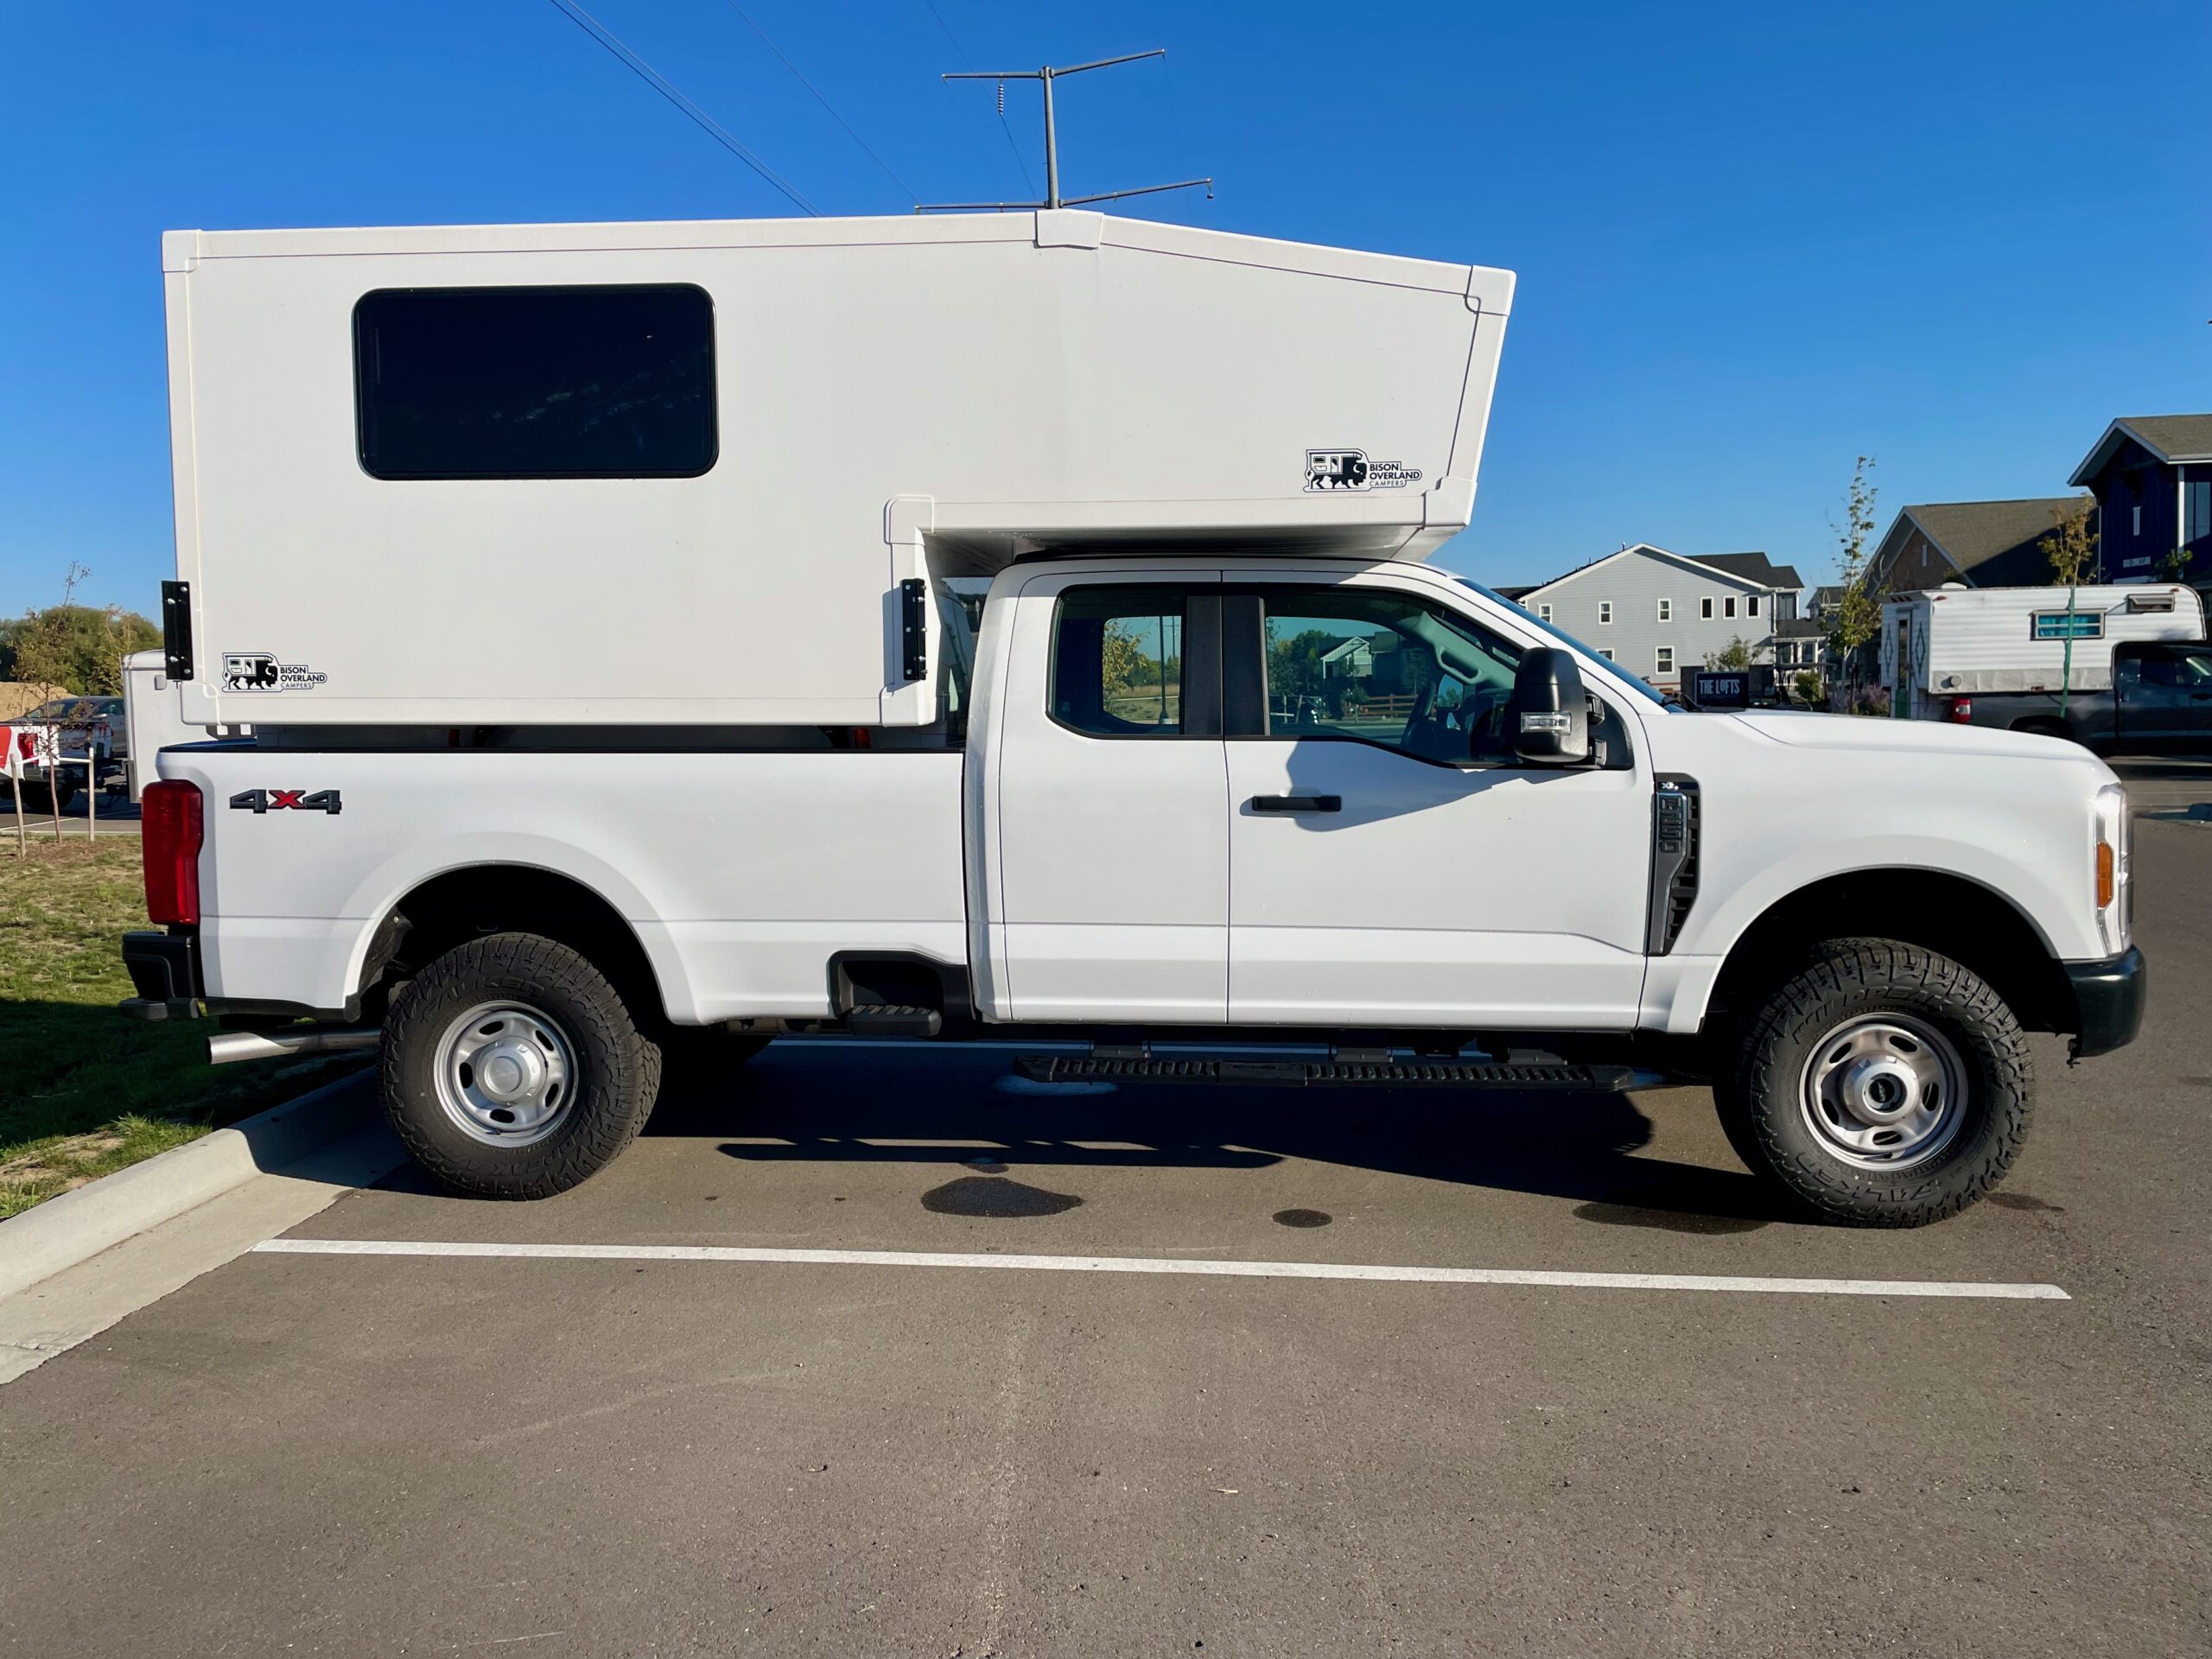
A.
pixel 1659 614
pixel 2152 477
pixel 1973 543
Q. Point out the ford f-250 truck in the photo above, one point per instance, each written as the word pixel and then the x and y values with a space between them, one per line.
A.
pixel 1226 786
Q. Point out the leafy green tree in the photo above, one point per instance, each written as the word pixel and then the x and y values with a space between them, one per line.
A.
pixel 1857 619
pixel 2071 547
pixel 76 648
pixel 1294 664
pixel 2175 566
pixel 1737 653
pixel 1807 688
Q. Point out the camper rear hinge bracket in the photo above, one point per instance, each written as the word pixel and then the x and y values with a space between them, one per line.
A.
pixel 913 626
pixel 176 630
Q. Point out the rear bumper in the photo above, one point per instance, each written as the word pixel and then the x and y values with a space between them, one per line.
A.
pixel 164 969
pixel 2107 1002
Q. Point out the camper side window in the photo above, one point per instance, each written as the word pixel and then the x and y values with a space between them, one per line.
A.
pixel 535 383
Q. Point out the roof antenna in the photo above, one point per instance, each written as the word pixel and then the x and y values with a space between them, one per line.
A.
pixel 1046 77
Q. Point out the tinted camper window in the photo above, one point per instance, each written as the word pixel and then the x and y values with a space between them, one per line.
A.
pixel 614 382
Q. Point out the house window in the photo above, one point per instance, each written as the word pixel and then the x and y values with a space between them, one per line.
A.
pixel 1543 613
pixel 2136 520
pixel 1752 605
pixel 1604 611
pixel 2197 509
pixel 1666 610
pixel 1728 605
pixel 1662 661
pixel 1704 607
pixel 481 383
pixel 1605 651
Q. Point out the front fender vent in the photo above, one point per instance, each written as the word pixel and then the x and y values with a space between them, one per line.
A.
pixel 1676 834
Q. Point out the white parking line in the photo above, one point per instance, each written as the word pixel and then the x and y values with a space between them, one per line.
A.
pixel 1149 1264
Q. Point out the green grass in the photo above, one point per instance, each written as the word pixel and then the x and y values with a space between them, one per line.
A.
pixel 83 1090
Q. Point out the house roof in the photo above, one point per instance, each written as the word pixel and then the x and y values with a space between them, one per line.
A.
pixel 1991 543
pixel 1516 595
pixel 1755 567
pixel 2175 439
pixel 1800 627
pixel 1768 575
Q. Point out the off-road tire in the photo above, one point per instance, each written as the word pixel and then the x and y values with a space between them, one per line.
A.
pixel 1758 1095
pixel 617 1070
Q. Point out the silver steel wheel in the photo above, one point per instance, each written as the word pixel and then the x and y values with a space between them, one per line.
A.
pixel 1884 1091
pixel 506 1074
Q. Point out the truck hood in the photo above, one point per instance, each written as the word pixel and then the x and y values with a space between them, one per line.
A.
pixel 1862 733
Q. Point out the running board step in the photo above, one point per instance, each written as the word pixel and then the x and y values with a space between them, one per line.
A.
pixel 1452 1074
pixel 875 1020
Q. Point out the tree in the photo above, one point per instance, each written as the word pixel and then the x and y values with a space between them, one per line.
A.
pixel 1294 664
pixel 1737 653
pixel 1807 687
pixel 72 647
pixel 1858 617
pixel 2071 547
pixel 2175 566
pixel 1121 657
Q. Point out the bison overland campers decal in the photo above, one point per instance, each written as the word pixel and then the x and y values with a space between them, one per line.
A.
pixel 258 671
pixel 1350 469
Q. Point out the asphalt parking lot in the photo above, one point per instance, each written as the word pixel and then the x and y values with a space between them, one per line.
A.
pixel 453 1453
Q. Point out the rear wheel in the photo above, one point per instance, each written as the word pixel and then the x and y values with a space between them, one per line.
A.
pixel 1883 1085
pixel 512 1069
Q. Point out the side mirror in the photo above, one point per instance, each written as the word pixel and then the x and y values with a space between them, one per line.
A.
pixel 1547 717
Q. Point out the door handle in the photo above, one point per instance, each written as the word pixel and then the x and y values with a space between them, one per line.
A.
pixel 1298 803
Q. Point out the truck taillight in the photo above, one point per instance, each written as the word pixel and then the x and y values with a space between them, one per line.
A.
pixel 1960 712
pixel 170 829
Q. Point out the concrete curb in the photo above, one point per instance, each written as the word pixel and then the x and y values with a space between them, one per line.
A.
pixel 77 1226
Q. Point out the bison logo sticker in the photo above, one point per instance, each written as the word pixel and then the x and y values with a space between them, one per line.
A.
pixel 258 671
pixel 1350 469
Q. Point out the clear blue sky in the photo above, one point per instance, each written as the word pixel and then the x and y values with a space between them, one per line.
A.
pixel 1753 240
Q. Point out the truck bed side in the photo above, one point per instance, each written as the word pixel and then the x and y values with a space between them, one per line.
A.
pixel 741 873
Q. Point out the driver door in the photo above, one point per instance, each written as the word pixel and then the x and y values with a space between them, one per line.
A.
pixel 1391 861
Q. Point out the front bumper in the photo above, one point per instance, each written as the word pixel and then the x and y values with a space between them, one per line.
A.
pixel 2107 1002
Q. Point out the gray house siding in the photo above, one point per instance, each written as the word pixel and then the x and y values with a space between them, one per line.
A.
pixel 1634 583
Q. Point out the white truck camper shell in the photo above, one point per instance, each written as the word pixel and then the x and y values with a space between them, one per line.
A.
pixel 715 473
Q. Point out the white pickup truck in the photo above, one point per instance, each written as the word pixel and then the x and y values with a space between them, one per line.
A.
pixel 1226 786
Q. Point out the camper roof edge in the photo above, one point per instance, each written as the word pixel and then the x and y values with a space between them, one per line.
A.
pixel 1487 289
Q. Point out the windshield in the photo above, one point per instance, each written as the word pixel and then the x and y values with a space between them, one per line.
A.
pixel 1640 687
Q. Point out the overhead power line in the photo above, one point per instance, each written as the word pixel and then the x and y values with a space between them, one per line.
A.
pixel 822 101
pixel 1027 183
pixel 652 77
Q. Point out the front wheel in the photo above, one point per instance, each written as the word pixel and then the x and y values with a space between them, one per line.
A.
pixel 512 1070
pixel 1883 1085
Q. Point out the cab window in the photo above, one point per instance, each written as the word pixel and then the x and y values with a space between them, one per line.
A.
pixel 1371 665
pixel 1118 660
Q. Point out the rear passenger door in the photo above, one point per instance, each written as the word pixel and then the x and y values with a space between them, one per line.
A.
pixel 1106 852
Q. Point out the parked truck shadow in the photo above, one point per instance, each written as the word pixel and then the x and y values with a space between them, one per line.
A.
pixel 797 1104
